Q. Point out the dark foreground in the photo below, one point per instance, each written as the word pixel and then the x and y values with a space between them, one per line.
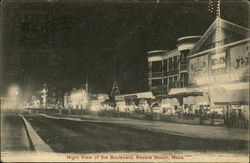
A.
pixel 68 136
pixel 13 133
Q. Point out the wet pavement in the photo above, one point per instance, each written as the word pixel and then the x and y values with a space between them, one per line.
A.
pixel 13 134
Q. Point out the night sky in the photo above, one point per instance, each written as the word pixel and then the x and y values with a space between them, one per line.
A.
pixel 58 43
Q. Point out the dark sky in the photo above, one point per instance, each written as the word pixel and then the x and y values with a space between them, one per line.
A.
pixel 55 43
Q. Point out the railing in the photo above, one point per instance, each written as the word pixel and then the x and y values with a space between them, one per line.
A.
pixel 154 88
pixel 171 72
pixel 183 67
pixel 155 74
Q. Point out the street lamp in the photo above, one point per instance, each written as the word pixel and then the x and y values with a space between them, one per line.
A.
pixel 13 95
pixel 44 91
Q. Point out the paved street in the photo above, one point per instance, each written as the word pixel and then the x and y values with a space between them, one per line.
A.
pixel 13 134
pixel 196 131
pixel 89 136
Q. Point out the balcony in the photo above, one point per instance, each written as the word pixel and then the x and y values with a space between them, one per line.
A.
pixel 156 88
pixel 183 66
pixel 171 72
pixel 155 75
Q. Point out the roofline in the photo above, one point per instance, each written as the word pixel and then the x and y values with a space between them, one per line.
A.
pixel 186 37
pixel 130 94
pixel 162 54
pixel 211 26
pixel 157 51
pixel 198 42
pixel 223 46
pixel 235 25
pixel 173 50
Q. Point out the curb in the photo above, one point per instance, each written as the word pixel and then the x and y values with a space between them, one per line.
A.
pixel 36 141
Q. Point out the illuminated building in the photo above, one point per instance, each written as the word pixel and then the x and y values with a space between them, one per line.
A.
pixel 168 73
pixel 132 102
pixel 66 100
pixel 218 68
pixel 97 102
pixel 78 99
pixel 34 102
pixel 208 72
pixel 168 69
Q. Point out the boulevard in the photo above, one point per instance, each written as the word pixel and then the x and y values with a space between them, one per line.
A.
pixel 87 136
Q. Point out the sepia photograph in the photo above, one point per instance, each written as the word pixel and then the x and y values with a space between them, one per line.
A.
pixel 124 80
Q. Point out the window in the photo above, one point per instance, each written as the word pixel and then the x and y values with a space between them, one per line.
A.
pixel 183 80
pixel 175 64
pixel 157 82
pixel 183 56
pixel 166 65
pixel 175 82
pixel 171 82
pixel 166 81
pixel 157 66
pixel 170 64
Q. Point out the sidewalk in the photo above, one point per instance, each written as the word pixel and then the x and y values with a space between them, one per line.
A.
pixel 37 142
pixel 196 131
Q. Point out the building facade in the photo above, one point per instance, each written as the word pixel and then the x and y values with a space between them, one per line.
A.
pixel 205 75
pixel 78 99
pixel 168 69
pixel 136 102
pixel 219 68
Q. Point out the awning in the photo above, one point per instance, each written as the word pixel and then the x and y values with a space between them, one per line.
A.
pixel 185 92
pixel 176 91
pixel 141 95
pixel 130 97
pixel 237 93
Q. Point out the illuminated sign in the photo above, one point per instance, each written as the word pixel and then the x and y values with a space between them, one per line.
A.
pixel 131 97
pixel 119 98
pixel 239 59
pixel 218 79
pixel 218 61
pixel 198 68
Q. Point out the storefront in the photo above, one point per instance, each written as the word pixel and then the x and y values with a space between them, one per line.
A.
pixel 188 100
pixel 233 99
pixel 138 102
pixel 220 67
pixel 98 102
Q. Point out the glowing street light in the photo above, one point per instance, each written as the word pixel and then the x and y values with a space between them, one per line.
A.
pixel 44 91
pixel 12 97
pixel 13 91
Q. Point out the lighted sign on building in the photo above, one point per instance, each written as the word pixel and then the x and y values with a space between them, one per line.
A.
pixel 225 67
pixel 239 59
pixel 198 68
pixel 218 61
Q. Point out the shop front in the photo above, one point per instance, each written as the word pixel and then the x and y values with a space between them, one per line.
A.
pixel 194 106
pixel 188 101
pixel 138 102
pixel 233 100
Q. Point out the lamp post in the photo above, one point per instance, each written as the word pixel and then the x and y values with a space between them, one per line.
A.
pixel 44 96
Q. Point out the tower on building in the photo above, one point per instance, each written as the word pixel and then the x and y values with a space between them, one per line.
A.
pixel 115 89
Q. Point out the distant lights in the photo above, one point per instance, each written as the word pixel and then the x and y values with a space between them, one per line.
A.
pixel 14 91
